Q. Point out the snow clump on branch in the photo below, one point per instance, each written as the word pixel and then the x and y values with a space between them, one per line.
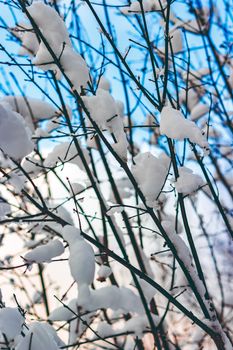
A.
pixel 66 152
pixel 150 173
pixel 45 253
pixel 188 182
pixel 56 36
pixel 81 259
pixel 107 113
pixel 11 323
pixel 32 109
pixel 174 125
pixel 15 136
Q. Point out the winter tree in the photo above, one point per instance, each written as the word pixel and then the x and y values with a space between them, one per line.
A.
pixel 116 174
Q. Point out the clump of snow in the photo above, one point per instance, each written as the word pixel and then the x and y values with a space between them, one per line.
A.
pixel 60 211
pixel 199 110
pixel 45 253
pixel 138 324
pixel 104 272
pixel 175 44
pixel 82 257
pixel 148 290
pixel 55 32
pixel 174 125
pixel 37 297
pixel 75 68
pixel 171 224
pixel 188 182
pixel 176 40
pixel 148 6
pixel 17 180
pixel 40 336
pixel 113 297
pixel 104 329
pixel 63 313
pixel 186 257
pixel 150 173
pixel 32 109
pixel 104 84
pixel 108 115
pixel 32 164
pixel 29 40
pixel 15 136
pixel 66 152
pixel 53 29
pixel 5 209
pixel 11 322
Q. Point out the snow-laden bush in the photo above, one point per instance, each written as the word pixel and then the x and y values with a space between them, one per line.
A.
pixel 116 175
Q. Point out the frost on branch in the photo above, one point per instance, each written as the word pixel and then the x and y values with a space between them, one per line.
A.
pixel 174 125
pixel 44 253
pixel 15 136
pixel 150 173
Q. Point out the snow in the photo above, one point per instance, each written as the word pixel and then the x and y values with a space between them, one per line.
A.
pixel 174 125
pixel 148 290
pixel 63 313
pixel 78 326
pixel 45 253
pixel 11 322
pixel 32 109
pixel 75 68
pixel 32 164
pixel 53 29
pixel 104 84
pixel 30 43
pixel 5 209
pixel 66 152
pixel 40 337
pixel 60 211
pixel 176 40
pixel 113 297
pixel 104 272
pixel 82 257
pixel 15 136
pixel 199 110
pixel 138 324
pixel 148 6
pixel 150 173
pixel 55 32
pixel 188 182
pixel 104 330
pixel 107 113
